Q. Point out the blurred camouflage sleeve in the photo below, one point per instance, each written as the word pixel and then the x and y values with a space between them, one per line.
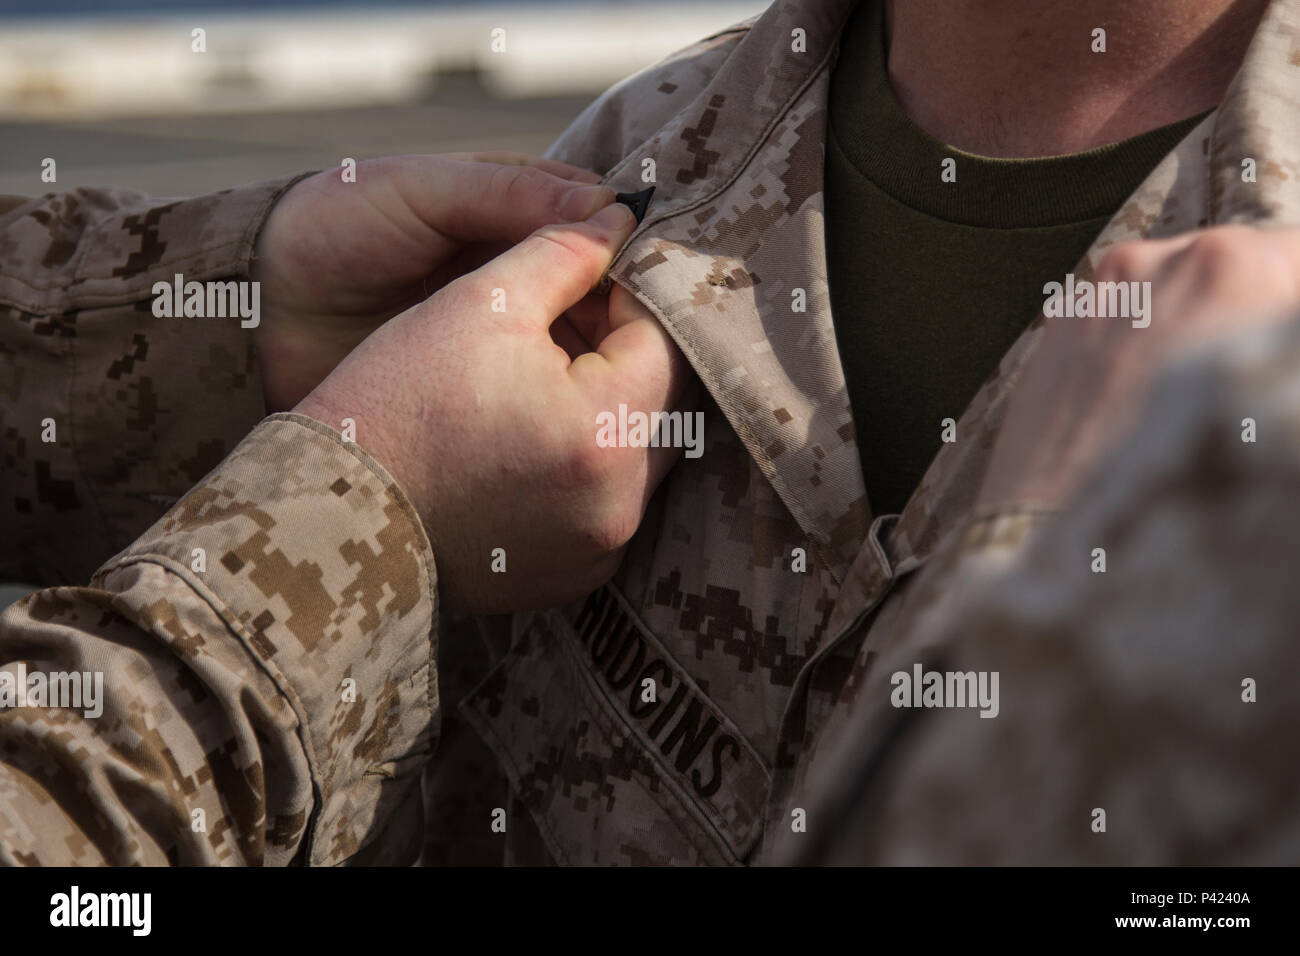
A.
pixel 142 407
pixel 1148 712
pixel 634 109
pixel 269 694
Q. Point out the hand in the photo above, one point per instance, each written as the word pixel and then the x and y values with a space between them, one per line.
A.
pixel 336 259
pixel 488 418
pixel 1087 376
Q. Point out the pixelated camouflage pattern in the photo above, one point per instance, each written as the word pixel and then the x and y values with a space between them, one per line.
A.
pixel 761 673
pixel 1110 699
pixel 735 227
pixel 463 785
pixel 1198 185
pixel 144 407
pixel 225 687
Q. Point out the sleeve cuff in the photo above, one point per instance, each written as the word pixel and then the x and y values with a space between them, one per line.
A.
pixel 318 564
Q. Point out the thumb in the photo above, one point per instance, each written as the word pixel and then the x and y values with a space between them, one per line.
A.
pixel 557 266
pixel 481 200
pixel 637 363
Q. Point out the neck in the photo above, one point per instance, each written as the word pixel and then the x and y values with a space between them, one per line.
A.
pixel 1020 77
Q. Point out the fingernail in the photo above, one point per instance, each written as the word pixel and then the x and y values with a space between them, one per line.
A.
pixel 578 204
pixel 615 217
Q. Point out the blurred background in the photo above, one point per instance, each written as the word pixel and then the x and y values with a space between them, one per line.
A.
pixel 180 97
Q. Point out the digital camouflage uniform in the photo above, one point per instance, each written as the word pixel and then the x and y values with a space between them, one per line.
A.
pixel 763 598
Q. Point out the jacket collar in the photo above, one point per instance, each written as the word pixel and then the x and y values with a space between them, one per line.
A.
pixel 1259 119
pixel 735 239
pixel 732 261
pixel 1197 185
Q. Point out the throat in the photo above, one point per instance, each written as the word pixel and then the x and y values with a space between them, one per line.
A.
pixel 1022 78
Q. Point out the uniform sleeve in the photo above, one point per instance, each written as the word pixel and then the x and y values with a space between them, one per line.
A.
pixel 632 111
pixel 250 682
pixel 108 413
pixel 1145 649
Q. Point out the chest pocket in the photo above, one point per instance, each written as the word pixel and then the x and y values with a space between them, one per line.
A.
pixel 619 756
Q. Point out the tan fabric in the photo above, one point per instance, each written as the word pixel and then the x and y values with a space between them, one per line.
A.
pixel 736 130
pixel 226 681
pixel 1121 691
pixel 144 406
pixel 766 676
pixel 225 633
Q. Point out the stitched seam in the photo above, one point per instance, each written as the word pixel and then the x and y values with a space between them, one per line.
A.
pixel 424 555
pixel 273 671
pixel 89 240
pixel 504 754
pixel 225 614
pixel 790 499
pixel 764 462
pixel 778 115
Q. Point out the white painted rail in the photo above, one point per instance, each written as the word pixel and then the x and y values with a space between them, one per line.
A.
pixel 330 57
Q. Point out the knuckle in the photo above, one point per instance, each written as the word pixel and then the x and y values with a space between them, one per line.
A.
pixel 562 242
pixel 587 465
pixel 525 184
pixel 504 181
pixel 1216 249
pixel 1122 261
pixel 607 515
pixel 610 528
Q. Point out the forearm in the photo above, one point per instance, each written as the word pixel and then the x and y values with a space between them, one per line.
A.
pixel 267 655
pixel 108 412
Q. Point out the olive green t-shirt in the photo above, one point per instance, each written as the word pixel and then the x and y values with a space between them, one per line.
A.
pixel 932 281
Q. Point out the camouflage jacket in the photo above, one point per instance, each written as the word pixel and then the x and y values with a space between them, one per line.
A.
pixel 762 600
